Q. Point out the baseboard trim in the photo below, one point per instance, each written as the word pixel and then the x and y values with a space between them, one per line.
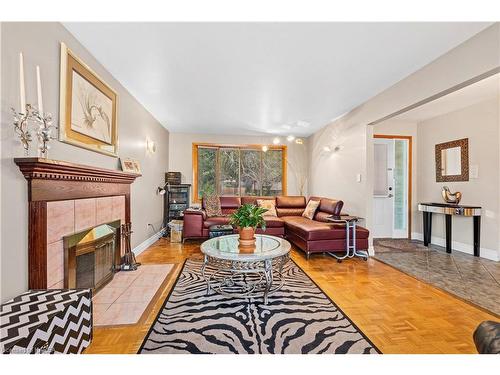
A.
pixel 148 242
pixel 459 246
pixel 371 250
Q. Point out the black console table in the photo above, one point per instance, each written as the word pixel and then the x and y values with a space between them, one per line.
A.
pixel 449 210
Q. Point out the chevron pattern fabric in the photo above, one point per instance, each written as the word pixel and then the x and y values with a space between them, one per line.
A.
pixel 47 321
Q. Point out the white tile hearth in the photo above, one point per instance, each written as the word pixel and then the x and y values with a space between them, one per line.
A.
pixel 126 297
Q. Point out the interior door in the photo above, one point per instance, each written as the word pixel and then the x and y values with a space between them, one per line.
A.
pixel 383 188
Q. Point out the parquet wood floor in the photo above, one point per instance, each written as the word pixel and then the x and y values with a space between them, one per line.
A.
pixel 397 312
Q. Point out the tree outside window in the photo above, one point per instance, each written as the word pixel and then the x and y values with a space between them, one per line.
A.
pixel 239 171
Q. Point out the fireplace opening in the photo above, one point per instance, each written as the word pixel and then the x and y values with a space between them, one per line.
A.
pixel 91 257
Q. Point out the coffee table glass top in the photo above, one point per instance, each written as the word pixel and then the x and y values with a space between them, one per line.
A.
pixel 227 247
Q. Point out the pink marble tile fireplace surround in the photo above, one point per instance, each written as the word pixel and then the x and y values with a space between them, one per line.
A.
pixel 127 296
pixel 67 217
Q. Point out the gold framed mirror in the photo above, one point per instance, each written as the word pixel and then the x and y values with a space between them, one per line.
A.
pixel 452 161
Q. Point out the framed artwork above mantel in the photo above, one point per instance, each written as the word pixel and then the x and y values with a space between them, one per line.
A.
pixel 88 107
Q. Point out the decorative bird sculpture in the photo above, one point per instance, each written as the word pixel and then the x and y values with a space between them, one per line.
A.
pixel 450 197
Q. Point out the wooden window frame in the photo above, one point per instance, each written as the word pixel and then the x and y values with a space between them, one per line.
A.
pixel 218 146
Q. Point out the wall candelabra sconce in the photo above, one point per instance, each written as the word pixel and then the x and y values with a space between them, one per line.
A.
pixel 43 122
pixel 29 114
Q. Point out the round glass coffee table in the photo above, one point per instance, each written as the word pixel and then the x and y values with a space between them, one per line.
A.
pixel 239 272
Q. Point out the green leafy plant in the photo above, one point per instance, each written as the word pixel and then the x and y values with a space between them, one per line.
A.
pixel 248 215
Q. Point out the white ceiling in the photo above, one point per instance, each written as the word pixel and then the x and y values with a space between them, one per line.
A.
pixel 486 89
pixel 255 78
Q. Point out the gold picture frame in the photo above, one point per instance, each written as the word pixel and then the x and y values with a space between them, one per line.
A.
pixel 87 108
pixel 463 144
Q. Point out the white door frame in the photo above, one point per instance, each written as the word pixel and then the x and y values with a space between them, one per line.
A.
pixel 410 164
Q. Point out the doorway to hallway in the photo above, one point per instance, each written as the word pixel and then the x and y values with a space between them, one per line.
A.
pixel 392 186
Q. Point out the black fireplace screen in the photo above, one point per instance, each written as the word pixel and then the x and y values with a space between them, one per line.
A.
pixel 90 257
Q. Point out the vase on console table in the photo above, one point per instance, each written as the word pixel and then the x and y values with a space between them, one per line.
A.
pixel 449 197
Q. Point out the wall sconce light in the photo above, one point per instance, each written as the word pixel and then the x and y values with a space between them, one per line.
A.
pixel 290 138
pixel 150 146
pixel 331 149
pixel 276 141
pixel 299 141
pixel 265 148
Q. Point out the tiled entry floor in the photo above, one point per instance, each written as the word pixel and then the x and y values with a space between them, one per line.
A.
pixel 125 298
pixel 474 279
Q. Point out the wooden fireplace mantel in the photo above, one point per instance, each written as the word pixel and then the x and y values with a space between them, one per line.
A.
pixel 58 180
pixel 54 180
pixel 61 170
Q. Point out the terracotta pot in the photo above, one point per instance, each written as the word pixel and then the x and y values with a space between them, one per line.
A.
pixel 247 238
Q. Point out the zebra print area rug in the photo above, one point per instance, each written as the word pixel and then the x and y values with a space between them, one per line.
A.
pixel 299 318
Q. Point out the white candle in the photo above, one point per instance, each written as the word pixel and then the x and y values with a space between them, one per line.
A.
pixel 39 90
pixel 22 92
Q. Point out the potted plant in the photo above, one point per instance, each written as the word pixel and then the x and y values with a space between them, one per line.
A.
pixel 247 218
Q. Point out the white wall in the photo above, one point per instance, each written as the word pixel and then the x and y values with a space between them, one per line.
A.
pixel 480 124
pixel 180 155
pixel 40 44
pixel 477 55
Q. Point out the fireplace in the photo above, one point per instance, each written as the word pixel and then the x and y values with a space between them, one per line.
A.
pixel 90 256
pixel 64 199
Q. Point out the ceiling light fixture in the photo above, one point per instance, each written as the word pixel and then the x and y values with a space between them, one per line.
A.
pixel 276 141
pixel 303 124
pixel 290 138
pixel 327 149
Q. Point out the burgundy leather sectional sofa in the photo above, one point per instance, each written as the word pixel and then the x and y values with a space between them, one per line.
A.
pixel 312 236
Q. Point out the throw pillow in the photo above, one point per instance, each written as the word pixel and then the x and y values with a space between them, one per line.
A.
pixel 212 205
pixel 311 208
pixel 270 205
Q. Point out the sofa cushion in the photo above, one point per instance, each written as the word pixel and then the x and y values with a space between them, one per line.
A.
pixel 274 222
pixel 330 206
pixel 289 211
pixel 312 230
pixel 322 216
pixel 230 202
pixel 310 210
pixel 361 232
pixel 216 220
pixel 271 222
pixel 291 202
pixel 253 199
pixel 212 205
pixel 269 205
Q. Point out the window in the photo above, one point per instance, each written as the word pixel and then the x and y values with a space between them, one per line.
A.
pixel 207 160
pixel 238 170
